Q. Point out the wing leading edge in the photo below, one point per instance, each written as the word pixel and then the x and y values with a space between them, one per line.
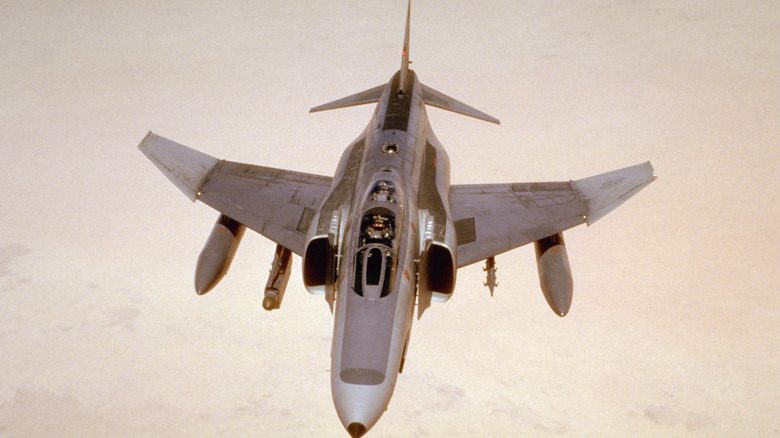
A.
pixel 494 218
pixel 279 204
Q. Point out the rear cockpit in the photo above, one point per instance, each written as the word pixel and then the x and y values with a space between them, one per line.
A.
pixel 383 191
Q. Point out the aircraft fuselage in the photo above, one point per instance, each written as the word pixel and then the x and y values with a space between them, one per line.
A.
pixel 378 257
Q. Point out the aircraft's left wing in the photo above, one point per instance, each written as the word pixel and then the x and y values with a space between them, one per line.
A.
pixel 494 218
pixel 279 204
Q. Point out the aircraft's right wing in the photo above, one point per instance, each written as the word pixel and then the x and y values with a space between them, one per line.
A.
pixel 494 218
pixel 279 204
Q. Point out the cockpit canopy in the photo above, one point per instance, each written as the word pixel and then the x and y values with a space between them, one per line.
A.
pixel 374 272
pixel 375 260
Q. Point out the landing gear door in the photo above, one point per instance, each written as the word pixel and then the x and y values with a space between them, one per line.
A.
pixel 335 238
pixel 423 300
pixel 423 286
pixel 330 286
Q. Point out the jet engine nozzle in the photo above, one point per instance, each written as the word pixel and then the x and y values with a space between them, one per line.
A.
pixel 554 273
pixel 278 278
pixel 214 261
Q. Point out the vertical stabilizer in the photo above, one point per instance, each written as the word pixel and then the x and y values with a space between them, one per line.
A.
pixel 405 54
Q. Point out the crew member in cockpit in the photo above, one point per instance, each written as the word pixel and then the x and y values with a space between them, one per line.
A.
pixel 383 193
pixel 379 229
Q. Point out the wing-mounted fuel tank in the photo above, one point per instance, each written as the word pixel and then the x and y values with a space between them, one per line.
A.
pixel 278 278
pixel 214 261
pixel 554 273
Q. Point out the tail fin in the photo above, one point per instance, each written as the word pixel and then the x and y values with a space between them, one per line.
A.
pixel 372 95
pixel 429 95
pixel 405 54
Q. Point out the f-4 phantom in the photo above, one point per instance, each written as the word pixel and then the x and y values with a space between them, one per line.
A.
pixel 388 231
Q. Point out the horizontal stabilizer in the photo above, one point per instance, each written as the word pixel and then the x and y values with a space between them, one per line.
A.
pixel 603 193
pixel 440 100
pixel 185 167
pixel 371 95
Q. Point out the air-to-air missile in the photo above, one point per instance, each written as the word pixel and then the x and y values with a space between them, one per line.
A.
pixel 554 273
pixel 490 267
pixel 277 280
pixel 214 261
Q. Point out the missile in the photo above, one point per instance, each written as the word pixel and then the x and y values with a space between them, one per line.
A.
pixel 214 261
pixel 277 280
pixel 490 268
pixel 554 273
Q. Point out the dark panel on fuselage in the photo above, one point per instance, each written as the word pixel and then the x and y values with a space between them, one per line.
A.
pixel 305 221
pixel 342 193
pixel 398 106
pixel 466 231
pixel 430 198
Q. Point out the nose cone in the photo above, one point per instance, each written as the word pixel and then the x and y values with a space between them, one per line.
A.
pixel 360 406
pixel 356 430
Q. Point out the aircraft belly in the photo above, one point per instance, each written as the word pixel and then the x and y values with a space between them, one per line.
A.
pixel 368 344
pixel 368 335
pixel 372 333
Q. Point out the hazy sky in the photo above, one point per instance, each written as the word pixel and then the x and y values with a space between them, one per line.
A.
pixel 674 325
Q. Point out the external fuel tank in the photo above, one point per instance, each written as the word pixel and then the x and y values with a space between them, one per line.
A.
pixel 214 261
pixel 554 273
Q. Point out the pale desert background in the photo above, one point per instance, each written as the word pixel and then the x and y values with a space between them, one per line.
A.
pixel 674 326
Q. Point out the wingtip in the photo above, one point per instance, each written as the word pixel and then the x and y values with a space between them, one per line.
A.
pixel 184 166
pixel 652 171
pixel 604 192
pixel 149 135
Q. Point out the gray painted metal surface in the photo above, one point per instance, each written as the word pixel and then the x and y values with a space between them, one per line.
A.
pixel 185 167
pixel 387 230
pixel 494 218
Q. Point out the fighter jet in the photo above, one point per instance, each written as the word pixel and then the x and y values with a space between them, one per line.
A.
pixel 388 231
